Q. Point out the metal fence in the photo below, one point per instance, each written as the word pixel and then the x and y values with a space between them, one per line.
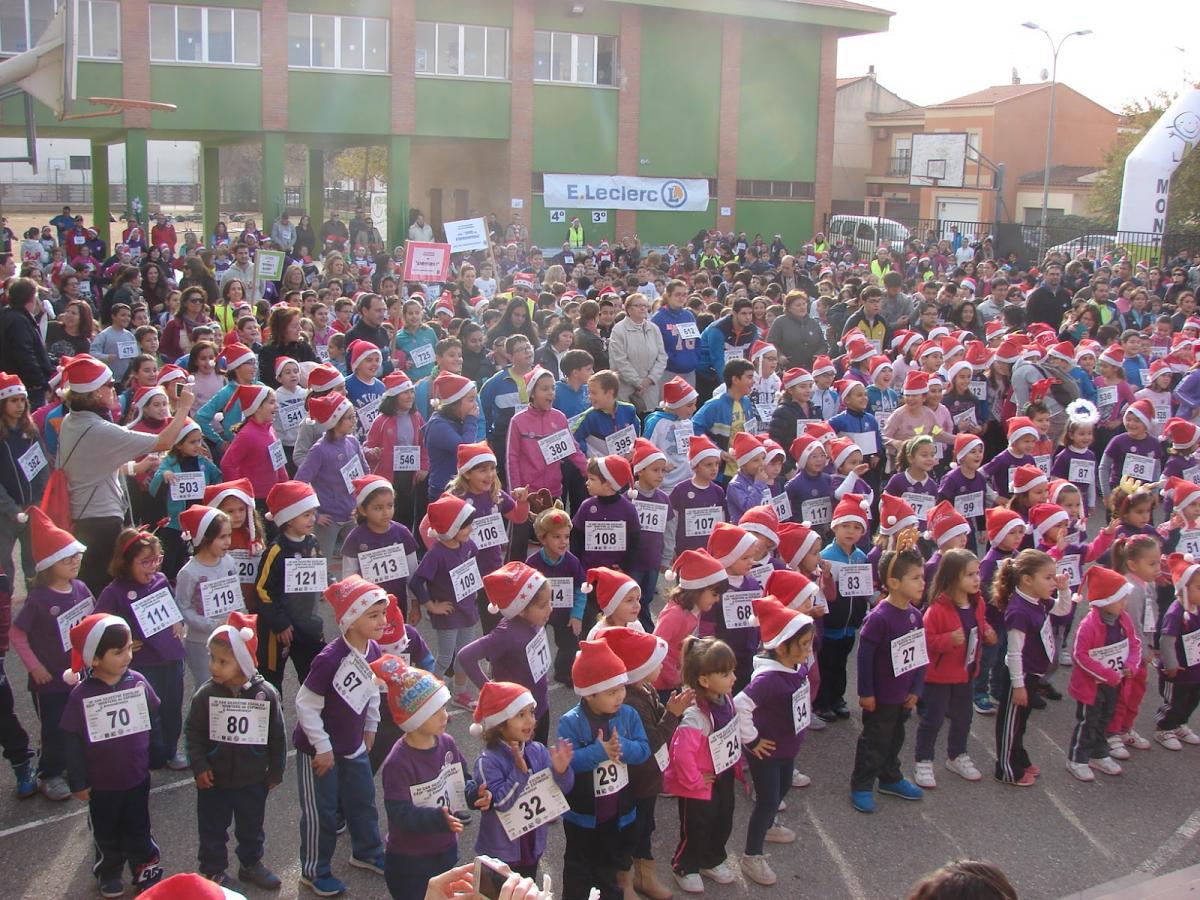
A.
pixel 54 195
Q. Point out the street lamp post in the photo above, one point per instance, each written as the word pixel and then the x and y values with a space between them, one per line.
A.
pixel 1054 48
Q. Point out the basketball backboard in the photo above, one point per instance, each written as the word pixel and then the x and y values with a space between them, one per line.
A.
pixel 938 160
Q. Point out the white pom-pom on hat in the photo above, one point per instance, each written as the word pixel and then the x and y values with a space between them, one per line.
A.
pixel 891 520
pixel 476 729
pixel 587 587
pixel 671 575
pixel 22 518
pixel 269 517
pixel 218 418
pixel 70 676
pixel 186 535
pixel 245 633
pixel 1076 598
pixel 807 524
pixel 493 609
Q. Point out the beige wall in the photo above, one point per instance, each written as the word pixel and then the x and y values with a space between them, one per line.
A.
pixel 855 147
pixel 480 167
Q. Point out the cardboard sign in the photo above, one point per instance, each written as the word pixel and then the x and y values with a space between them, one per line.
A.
pixel 466 234
pixel 426 261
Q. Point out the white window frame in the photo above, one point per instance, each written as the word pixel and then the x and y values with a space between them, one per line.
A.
pixel 337 44
pixel 30 40
pixel 574 79
pixel 86 53
pixel 204 60
pixel 461 27
pixel 974 140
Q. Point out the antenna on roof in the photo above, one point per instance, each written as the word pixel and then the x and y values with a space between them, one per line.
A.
pixel 1016 76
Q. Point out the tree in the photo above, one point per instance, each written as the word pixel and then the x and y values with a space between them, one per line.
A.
pixel 1183 205
pixel 360 165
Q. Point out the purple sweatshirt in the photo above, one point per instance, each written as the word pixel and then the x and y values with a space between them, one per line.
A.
pixel 1070 461
pixel 648 557
pixel 811 498
pixel 404 768
pixel 1121 446
pixel 505 648
pixel 118 598
pixel 119 763
pixel 39 619
pixel 998 466
pixel 744 493
pixel 498 770
pixel 341 723
pixel 322 468
pixel 900 484
pixel 362 539
pixel 686 495
pixel 1029 616
pixel 765 710
pixel 883 625
pixel 490 558
pixel 616 508
pixel 567 566
pixel 431 582
pixel 959 489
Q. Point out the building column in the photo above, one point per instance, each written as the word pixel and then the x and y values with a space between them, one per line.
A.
pixel 210 189
pixel 629 107
pixel 271 195
pixel 100 201
pixel 135 60
pixel 727 127
pixel 826 109
pixel 314 190
pixel 520 133
pixel 137 177
pixel 399 151
pixel 404 80
pixel 273 41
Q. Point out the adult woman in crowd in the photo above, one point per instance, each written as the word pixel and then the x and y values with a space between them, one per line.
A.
pixel 155 286
pixel 636 352
pixel 176 337
pixel 514 321
pixel 306 237
pixel 220 235
pixel 965 317
pixel 285 340
pixel 477 365
pixel 72 333
pixel 796 335
pixel 233 294
pixel 335 268
pixel 125 289
pixel 293 280
pixel 197 274
pixel 94 475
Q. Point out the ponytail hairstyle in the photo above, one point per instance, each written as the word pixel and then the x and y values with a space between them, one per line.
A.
pixel 1012 570
pixel 1127 549
pixel 908 448
pixel 951 567
pixel 704 656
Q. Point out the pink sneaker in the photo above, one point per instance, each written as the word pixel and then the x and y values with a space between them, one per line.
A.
pixel 463 700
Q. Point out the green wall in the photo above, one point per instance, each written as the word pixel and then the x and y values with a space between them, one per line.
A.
pixel 550 235
pixel 779 63
pixel 96 79
pixel 455 107
pixel 319 101
pixel 662 228
pixel 210 98
pixel 791 218
pixel 597 18
pixel 375 8
pixel 574 129
pixel 473 12
pixel 680 95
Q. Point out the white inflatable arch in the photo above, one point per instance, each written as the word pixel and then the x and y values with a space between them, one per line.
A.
pixel 1149 167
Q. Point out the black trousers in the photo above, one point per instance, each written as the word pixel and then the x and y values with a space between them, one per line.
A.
pixel 13 738
pixel 175 553
pixel 704 828
pixel 593 857
pixel 99 536
pixel 566 645
pixel 273 656
pixel 1089 739
pixel 52 760
pixel 877 755
pixel 1179 702
pixel 167 681
pixel 216 807
pixel 120 823
pixel 1011 757
pixel 833 658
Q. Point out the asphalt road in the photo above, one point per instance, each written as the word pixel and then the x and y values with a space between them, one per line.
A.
pixel 1054 839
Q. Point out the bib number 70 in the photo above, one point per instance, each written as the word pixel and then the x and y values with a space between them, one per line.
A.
pixel 118 717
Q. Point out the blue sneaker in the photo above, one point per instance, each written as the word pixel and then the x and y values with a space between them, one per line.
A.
pixel 112 887
pixel 27 782
pixel 904 789
pixel 371 865
pixel 984 705
pixel 324 886
pixel 863 801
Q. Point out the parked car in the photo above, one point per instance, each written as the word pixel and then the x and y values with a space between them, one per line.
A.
pixel 1100 244
pixel 867 233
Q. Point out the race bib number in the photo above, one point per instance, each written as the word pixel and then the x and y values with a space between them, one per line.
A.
pixel 969 506
pixel 1043 463
pixel 725 747
pixel 421 356
pixel 187 486
pixel 1047 635
pixel 701 521
pixel 818 511
pixel 354 682
pixel 909 652
pixel 247 566
pixel 368 413
pixel 609 777
pixel 966 419
pixel 1189 540
pixel 734 353
pixel 406 458
pixel 557 446
pixel 738 609
pixel 1138 466
pixel 599 537
pixel 882 416
pixel 1144 377
pixel 801 708
pixel 855 580
pixel 1106 396
pixel 1191 474
pixel 33 461
pixel 69 618
pixel 682 434
pixel 662 757
pixel 448 790
pixel 687 331
pixel 539 803
pixel 1150 616
pixel 978 389
pixel 155 612
pixel 291 415
pixel 304 575
pixel 322 352
pixel 652 516
pixel 488 531
pixel 762 572
pixel 537 653
pixel 351 470
pixel 1191 648
pixel 465 579
pixel 1111 656
pixel 920 503
pixel 764 411
pixel 620 442
pixel 866 442
pixel 116 715
pixel 802 424
pixel 782 506
pixel 562 592
pixel 232 720
pixel 972 646
pixel 278 457
pixel 220 597
pixel 1069 565
pixel 1162 412
pixel 1081 471
pixel 384 564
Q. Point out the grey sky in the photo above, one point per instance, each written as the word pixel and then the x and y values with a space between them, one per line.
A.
pixel 933 52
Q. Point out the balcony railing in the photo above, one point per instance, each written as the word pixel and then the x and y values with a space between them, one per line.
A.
pixel 899 166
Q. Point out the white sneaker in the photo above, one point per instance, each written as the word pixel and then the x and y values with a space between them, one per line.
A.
pixel 1168 740
pixel 965 767
pixel 923 775
pixel 756 869
pixel 1135 740
pixel 815 723
pixel 1116 747
pixel 1106 764
pixel 179 761
pixel 721 874
pixel 1064 656
pixel 782 806
pixel 799 780
pixel 1186 735
pixel 690 883
pixel 780 834
pixel 1081 771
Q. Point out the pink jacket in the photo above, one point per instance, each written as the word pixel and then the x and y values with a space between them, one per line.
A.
pixel 524 461
pixel 691 758
pixel 248 457
pixel 383 436
pixel 674 624
pixel 1087 672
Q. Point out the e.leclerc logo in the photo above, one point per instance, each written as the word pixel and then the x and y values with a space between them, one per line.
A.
pixel 673 193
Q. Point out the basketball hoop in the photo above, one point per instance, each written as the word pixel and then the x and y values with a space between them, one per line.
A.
pixel 117 105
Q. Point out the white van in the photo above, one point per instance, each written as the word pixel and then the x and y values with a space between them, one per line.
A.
pixel 867 233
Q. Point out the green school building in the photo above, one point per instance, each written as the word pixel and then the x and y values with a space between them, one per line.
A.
pixel 474 101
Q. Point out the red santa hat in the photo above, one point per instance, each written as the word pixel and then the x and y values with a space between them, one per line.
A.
pixel 903 341
pixel 289 499
pixel 802 448
pixel 188 886
pixel 677 392
pixel 510 588
pixel 1143 410
pixel 1044 517
pixel 499 701
pixel 283 361
pixel 851 508
pixel 1086 348
pixel 841 449
pixel 759 349
pixel 645 454
pixel 85 637
pixel 639 652
pixel 916 383
pixel 350 599
pixel 472 455
pixel 195 521
pixel 796 541
pixel 927 348
pixel 694 570
pixel 796 377
pixel 846 386
pixel 1019 427
pixel 746 447
pixel 396 383
pixel 1000 522
pixel 762 521
pixel 141 398
pixel 1113 355
pixel 1057 486
pixel 823 365
pixel 448 515
pixel 895 515
pixel 413 695
pixel 1183 568
pixel 1191 322
pixel 50 543
pixel 616 471
pixel 945 524
pixel 366 485
pixel 1183 492
pixel 978 355
pixel 1009 351
pixel 964 443
pixel 956 368
pixel 234 355
pixel 1026 478
pixel 858 348
pixel 609 586
pixel 773 449
pixel 85 374
pixel 1103 587
pixel 394 638
pixel 360 351
pixel 240 631
pixel 324 378
pixel 700 448
pixel 11 386
pixel 729 543
pixel 249 396
pixel 790 588
pixel 777 623
pixel 822 431
pixel 532 376
pixel 596 669
pixel 329 409
pixel 1159 368
pixel 448 387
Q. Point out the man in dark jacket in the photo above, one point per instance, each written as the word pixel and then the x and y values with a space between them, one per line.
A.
pixel 22 351
pixel 1050 302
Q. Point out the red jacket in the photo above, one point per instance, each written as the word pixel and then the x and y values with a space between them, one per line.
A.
pixel 948 662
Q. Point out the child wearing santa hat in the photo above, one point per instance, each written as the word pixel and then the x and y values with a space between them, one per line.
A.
pixel 237 742
pixel 400 425
pixel 733 621
pixel 290 412
pixel 698 504
pixel 652 505
pixel 855 422
pixel 607 738
pixel 455 421
pixel 223 411
pixel 698 583
pixel 510 765
pixel 669 428
pixel 948 531
pixel 1137 442
pixel 1179 663
pixel 606 526
pixel 516 649
pixel 255 452
pixel 322 379
pixel 966 487
pixel 236 500
pixel 847 604
pixel 337 713
pixel 378 548
pixel 182 476
pixel 617 597
pixel 405 642
pixel 1022 438
pixel 363 389
pixel 810 489
pixel 428 789
pixel 747 488
pixel 566 577
pixel 794 410
pixel 207 588
pixel 109 767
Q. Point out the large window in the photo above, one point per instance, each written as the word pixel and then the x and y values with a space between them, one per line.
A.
pixel 337 42
pixel 464 51
pixel 574 58
pixel 99 29
pixel 22 23
pixel 202 34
